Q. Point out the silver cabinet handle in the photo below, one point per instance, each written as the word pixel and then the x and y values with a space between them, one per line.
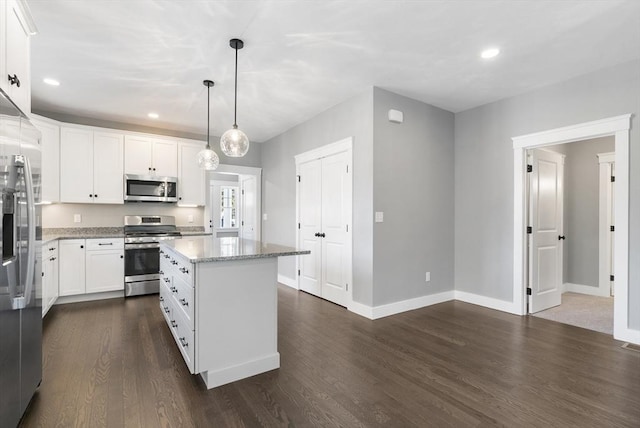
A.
pixel 174 289
pixel 174 324
pixel 184 302
pixel 184 342
pixel 109 243
pixel 166 309
pixel 161 299
pixel 184 270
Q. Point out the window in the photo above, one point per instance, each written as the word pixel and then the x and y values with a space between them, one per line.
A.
pixel 228 207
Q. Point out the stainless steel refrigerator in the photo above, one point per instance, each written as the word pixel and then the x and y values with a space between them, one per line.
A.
pixel 20 271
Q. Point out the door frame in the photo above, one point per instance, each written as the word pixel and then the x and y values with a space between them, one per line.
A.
pixel 239 170
pixel 344 145
pixel 618 127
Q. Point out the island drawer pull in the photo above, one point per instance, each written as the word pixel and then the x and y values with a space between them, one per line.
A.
pixel 173 262
pixel 174 324
pixel 165 279
pixel 105 243
pixel 184 302
pixel 161 299
pixel 166 309
pixel 184 342
pixel 174 289
pixel 184 270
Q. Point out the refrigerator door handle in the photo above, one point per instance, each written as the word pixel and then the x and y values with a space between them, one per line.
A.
pixel 21 302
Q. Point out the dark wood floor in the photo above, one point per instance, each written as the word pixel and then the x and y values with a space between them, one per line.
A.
pixel 114 363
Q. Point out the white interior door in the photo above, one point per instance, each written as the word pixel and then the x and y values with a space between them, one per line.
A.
pixel 310 225
pixel 336 208
pixel 546 237
pixel 248 207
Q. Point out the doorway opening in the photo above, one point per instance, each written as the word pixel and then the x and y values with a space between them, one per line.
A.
pixel 571 216
pixel 233 202
pixel 618 127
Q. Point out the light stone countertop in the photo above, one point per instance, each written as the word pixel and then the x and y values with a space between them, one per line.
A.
pixel 202 249
pixel 51 234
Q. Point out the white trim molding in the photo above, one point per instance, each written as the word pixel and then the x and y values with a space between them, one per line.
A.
pixel 619 127
pixel 381 311
pixel 569 287
pixel 487 302
pixel 289 282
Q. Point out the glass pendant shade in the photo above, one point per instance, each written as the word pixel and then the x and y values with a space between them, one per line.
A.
pixel 234 143
pixel 208 159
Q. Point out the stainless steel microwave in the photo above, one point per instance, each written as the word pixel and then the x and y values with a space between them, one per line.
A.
pixel 148 188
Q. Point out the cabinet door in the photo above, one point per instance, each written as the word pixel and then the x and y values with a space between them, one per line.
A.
pixel 137 155
pixel 105 270
pixel 72 267
pixel 76 165
pixel 108 168
pixel 17 56
pixel 191 179
pixel 165 158
pixel 50 161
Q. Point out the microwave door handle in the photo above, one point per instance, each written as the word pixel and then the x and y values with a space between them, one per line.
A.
pixel 23 301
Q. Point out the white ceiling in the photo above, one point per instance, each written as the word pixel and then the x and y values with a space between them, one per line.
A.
pixel 118 60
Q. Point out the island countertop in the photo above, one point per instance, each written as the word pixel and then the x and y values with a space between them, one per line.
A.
pixel 201 249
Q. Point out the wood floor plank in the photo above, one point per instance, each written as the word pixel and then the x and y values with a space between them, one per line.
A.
pixel 114 363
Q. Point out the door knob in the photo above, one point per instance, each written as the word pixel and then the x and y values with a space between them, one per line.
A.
pixel 317 234
pixel 561 237
pixel 14 80
pixel 322 235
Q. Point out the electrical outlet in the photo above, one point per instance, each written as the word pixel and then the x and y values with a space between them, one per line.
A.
pixel 190 218
pixel 264 216
pixel 379 217
pixel 77 218
pixel 427 277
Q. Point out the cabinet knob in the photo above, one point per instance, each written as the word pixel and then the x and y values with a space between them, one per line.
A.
pixel 95 196
pixel 149 169
pixel 154 169
pixel 81 246
pixel 121 256
pixel 14 80
pixel 90 195
pixel 180 198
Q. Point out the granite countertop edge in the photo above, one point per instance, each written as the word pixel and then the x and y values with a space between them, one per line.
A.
pixel 53 234
pixel 245 257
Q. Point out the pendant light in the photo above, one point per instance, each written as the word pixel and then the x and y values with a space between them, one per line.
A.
pixel 235 143
pixel 207 158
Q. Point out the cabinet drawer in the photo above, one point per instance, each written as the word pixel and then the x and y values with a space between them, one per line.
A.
pixel 50 249
pixel 184 337
pixel 105 244
pixel 183 295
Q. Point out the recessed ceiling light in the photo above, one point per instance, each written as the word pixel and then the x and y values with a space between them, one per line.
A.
pixel 52 82
pixel 490 53
pixel 153 115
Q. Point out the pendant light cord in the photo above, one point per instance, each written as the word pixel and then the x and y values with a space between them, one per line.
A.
pixel 235 103
pixel 208 115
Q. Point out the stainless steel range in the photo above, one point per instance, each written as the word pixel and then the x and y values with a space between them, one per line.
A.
pixel 142 251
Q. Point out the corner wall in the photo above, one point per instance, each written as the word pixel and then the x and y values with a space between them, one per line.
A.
pixel 413 185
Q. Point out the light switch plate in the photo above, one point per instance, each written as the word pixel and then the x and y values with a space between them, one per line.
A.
pixel 190 218
pixel 77 218
pixel 379 216
pixel 264 216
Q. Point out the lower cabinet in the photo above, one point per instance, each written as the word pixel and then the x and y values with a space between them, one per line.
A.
pixel 49 275
pixel 177 303
pixel 91 266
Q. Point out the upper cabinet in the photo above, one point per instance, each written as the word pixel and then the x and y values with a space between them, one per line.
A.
pixel 50 143
pixel 150 156
pixel 191 179
pixel 91 166
pixel 17 26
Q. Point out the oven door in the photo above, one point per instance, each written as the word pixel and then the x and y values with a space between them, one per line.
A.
pixel 141 262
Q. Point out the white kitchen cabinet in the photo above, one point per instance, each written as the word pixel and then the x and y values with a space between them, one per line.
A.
pixel 104 265
pixel 72 267
pixel 191 179
pixel 91 265
pixel 50 144
pixel 108 168
pixel 150 156
pixel 49 275
pixel 91 166
pixel 17 26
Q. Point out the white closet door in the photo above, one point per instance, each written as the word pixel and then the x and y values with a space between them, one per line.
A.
pixel 248 207
pixel 336 201
pixel 310 199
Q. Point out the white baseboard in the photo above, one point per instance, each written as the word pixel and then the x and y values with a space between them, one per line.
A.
pixel 584 289
pixel 63 300
pixel 382 311
pixel 627 335
pixel 231 374
pixel 487 302
pixel 361 309
pixel 290 282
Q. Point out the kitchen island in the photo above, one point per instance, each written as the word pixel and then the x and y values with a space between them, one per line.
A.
pixel 219 298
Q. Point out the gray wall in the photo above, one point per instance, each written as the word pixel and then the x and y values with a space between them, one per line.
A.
pixel 352 118
pixel 484 172
pixel 413 186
